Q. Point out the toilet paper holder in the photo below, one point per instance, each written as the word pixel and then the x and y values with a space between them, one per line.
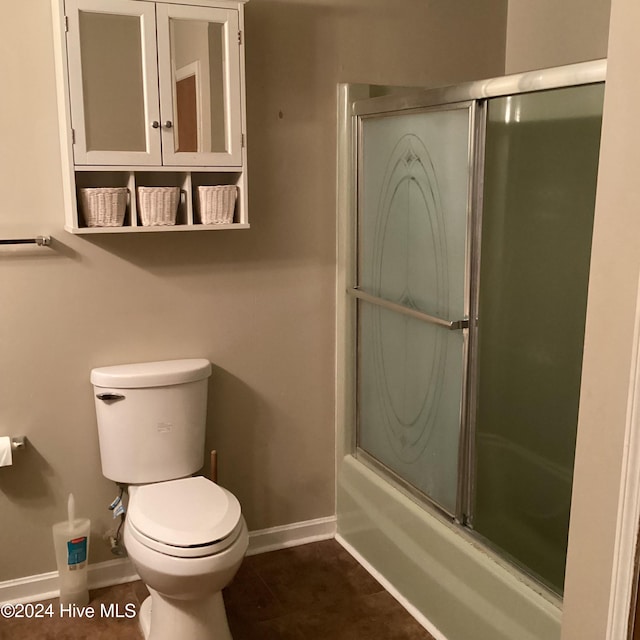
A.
pixel 18 443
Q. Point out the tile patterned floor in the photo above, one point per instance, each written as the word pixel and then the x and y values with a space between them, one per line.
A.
pixel 312 592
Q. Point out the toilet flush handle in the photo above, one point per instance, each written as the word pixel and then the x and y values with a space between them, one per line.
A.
pixel 109 397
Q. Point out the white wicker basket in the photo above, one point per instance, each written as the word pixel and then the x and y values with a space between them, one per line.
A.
pixel 217 204
pixel 103 206
pixel 158 205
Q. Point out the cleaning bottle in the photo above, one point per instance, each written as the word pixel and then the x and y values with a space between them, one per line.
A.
pixel 71 542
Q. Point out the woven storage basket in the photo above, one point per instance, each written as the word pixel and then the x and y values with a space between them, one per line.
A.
pixel 217 204
pixel 158 205
pixel 103 206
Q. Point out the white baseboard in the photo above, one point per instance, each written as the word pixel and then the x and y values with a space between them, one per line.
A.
pixel 105 574
pixel 419 616
pixel 45 585
pixel 291 535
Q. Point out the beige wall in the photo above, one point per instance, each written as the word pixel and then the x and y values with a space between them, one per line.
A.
pixel 259 303
pixel 548 33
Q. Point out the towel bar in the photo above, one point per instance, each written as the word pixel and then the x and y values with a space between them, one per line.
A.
pixel 41 241
pixel 452 325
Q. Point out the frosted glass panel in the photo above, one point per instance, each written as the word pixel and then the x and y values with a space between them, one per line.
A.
pixel 539 196
pixel 409 398
pixel 414 185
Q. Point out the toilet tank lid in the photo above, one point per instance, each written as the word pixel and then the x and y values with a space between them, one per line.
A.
pixel 151 374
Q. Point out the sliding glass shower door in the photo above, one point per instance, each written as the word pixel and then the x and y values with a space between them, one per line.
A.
pixel 478 209
pixel 541 164
pixel 412 294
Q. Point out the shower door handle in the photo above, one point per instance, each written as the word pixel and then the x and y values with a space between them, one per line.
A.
pixel 452 325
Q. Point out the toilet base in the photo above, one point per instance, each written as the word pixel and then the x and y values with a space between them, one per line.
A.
pixel 144 617
pixel 163 618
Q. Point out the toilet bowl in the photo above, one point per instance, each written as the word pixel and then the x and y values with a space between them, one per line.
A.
pixel 187 539
pixel 184 534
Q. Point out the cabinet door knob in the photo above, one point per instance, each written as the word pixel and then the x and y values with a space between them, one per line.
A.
pixel 168 124
pixel 155 124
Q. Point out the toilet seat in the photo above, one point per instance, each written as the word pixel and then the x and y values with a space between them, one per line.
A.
pixel 199 551
pixel 188 518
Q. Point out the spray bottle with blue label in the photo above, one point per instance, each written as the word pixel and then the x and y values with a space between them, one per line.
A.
pixel 71 542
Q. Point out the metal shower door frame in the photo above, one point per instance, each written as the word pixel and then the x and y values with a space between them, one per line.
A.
pixel 395 107
pixel 474 96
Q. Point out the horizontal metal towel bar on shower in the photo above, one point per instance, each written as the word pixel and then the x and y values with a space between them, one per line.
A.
pixel 453 325
pixel 41 241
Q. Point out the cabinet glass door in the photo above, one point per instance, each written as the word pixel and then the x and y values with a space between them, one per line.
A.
pixel 199 69
pixel 113 82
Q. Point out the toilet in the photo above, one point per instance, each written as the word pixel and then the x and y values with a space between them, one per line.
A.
pixel 185 535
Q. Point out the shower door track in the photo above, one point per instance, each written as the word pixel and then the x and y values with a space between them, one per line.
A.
pixel 475 92
pixel 555 78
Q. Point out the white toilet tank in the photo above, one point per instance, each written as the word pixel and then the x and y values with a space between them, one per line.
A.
pixel 151 419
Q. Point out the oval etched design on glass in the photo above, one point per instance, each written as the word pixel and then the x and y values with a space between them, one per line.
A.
pixel 409 267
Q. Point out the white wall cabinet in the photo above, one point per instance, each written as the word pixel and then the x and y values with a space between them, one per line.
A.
pixel 151 94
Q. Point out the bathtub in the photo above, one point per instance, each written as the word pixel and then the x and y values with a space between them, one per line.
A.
pixel 456 587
